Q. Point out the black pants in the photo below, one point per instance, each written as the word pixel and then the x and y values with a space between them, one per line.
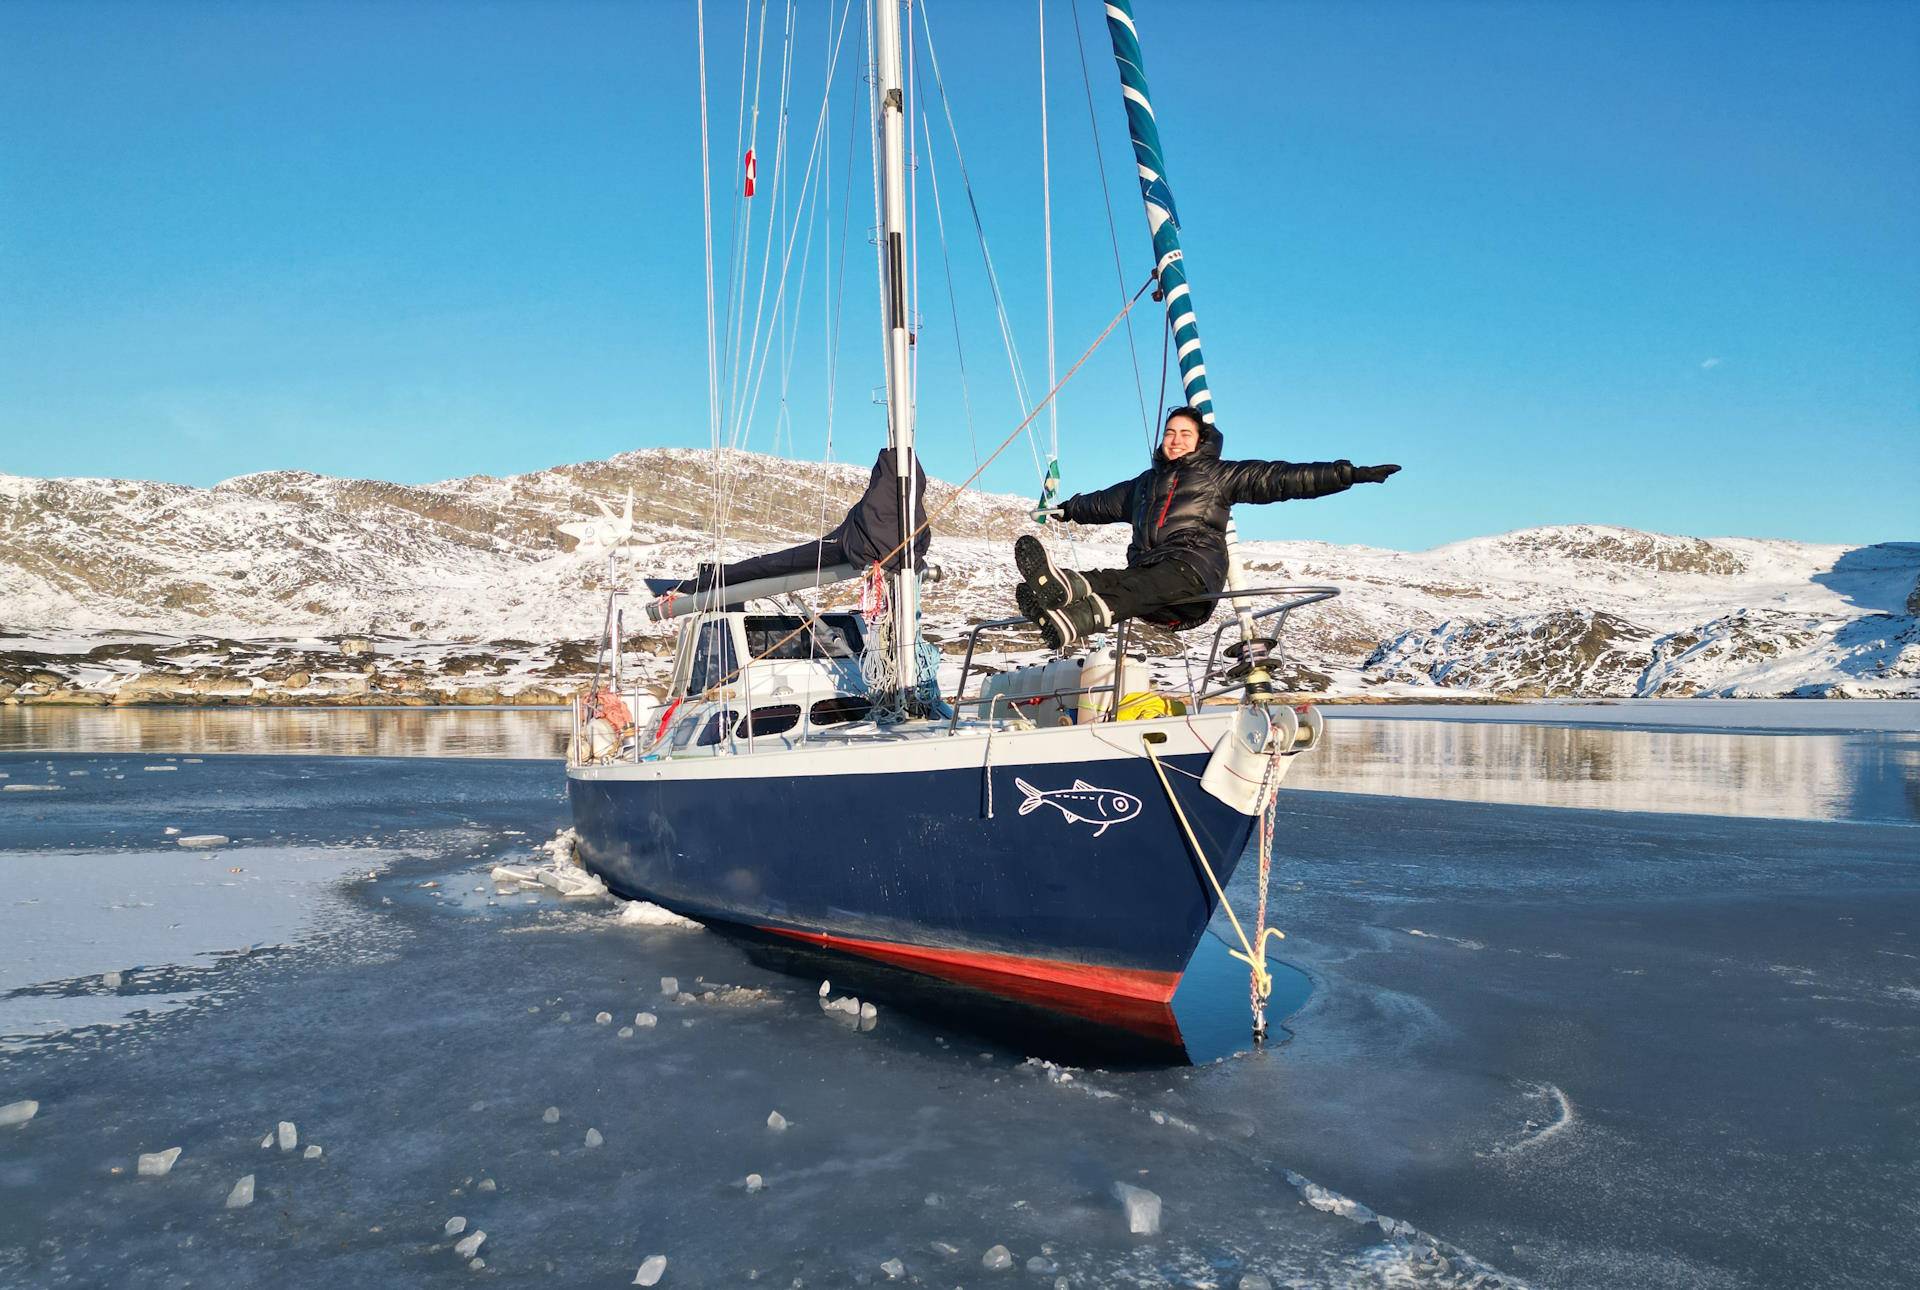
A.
pixel 805 558
pixel 1155 592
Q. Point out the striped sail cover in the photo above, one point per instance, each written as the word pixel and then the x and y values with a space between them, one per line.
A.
pixel 1162 218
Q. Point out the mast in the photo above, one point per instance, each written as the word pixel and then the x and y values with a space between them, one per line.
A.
pixel 1163 222
pixel 890 94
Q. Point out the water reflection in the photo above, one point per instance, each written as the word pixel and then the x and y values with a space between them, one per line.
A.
pixel 352 732
pixel 1775 776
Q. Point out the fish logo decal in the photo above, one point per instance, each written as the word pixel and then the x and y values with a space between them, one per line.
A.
pixel 1084 803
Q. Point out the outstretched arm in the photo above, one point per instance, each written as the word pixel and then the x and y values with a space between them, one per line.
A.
pixel 1285 481
pixel 1108 506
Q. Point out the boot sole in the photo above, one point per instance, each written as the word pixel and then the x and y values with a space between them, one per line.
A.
pixel 1040 573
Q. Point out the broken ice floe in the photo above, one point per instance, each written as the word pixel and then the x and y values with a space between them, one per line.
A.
pixel 34 788
pixel 894 1269
pixel 776 1121
pixel 997 1259
pixel 266 1143
pixel 603 1018
pixel 201 841
pixel 670 985
pixel 487 1184
pixel 242 1194
pixel 1041 1266
pixel 644 913
pixel 454 1226
pixel 313 1152
pixel 755 1183
pixel 625 1032
pixel 476 1265
pixel 593 1138
pixel 551 1115
pixel 18 1113
pixel 157 1164
pixel 287 1136
pixel 651 1270
pixel 1142 1207
pixel 468 1246
pixel 645 1020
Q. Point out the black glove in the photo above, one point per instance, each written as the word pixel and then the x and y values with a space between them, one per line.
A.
pixel 1373 474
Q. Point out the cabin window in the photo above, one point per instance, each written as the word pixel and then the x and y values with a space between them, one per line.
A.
pixel 839 710
pixel 831 636
pixel 713 660
pixel 683 733
pixel 716 728
pixel 774 720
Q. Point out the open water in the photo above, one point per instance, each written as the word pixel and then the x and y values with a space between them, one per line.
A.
pixel 1572 1006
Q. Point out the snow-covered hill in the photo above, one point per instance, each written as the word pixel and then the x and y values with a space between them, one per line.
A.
pixel 133 590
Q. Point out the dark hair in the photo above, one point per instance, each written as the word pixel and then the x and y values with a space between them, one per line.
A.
pixel 1198 417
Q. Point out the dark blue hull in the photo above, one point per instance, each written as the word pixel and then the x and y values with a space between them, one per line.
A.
pixel 1070 894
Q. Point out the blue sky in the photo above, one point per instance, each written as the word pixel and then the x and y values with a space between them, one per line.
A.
pixel 1630 263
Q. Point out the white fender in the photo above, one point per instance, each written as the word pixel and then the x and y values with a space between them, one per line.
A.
pixel 1239 762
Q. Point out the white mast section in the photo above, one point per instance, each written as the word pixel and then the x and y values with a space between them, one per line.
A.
pixel 890 96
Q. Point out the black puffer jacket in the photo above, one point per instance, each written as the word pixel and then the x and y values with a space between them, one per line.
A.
pixel 1179 509
pixel 872 528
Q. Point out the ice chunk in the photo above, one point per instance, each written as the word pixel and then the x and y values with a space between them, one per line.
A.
pixel 551 1115
pixel 603 1018
pixel 684 997
pixel 156 1164
pixel 894 1269
pixel 201 841
pixel 469 1245
pixel 644 913
pixel 934 1200
pixel 242 1194
pixel 669 985
pixel 476 1265
pixel 645 1020
pixel 455 1226
pixel 311 1153
pixel 593 1138
pixel 39 788
pixel 287 1135
pixel 826 988
pixel 1142 1206
pixel 266 1143
pixel 18 1113
pixel 159 768
pixel 868 1014
pixel 110 980
pixel 651 1270
pixel 507 873
pixel 997 1259
pixel 754 1183
pixel 625 1032
pixel 171 831
pixel 943 1249
pixel 776 1121
pixel 487 1184
pixel 1042 1267
pixel 1255 1281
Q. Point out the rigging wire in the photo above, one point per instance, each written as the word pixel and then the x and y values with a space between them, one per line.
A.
pixel 1113 232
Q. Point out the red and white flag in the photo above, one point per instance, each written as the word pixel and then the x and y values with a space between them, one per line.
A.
pixel 753 172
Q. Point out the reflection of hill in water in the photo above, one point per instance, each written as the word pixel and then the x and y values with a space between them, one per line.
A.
pixel 1799 776
pixel 357 732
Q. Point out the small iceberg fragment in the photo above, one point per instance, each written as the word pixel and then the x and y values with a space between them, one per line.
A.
pixel 313 1152
pixel 476 1265
pixel 1042 1267
pixel 1255 1281
pixel 287 1135
pixel 159 768
pixel 645 1020
pixel 593 1138
pixel 157 1164
pixel 603 1018
pixel 454 1226
pixel 997 1259
pixel 468 1246
pixel 869 1016
pixel 110 980
pixel 487 1184
pixel 201 841
pixel 18 1113
pixel 1142 1206
pixel 171 831
pixel 242 1194
pixel 38 788
pixel 266 1143
pixel 826 988
pixel 551 1115
pixel 670 985
pixel 507 873
pixel 755 1183
pixel 644 913
pixel 776 1121
pixel 625 1032
pixel 894 1269
pixel 651 1270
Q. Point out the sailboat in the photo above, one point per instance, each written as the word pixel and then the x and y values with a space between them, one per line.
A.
pixel 1014 834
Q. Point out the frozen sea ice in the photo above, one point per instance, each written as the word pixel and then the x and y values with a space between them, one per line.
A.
pixel 455 1226
pixel 1142 1206
pixel 1255 1281
pixel 651 1270
pixel 242 1194
pixel 156 1164
pixel 469 1245
pixel 201 841
pixel 18 1113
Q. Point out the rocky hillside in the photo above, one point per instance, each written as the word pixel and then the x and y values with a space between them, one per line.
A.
pixel 294 587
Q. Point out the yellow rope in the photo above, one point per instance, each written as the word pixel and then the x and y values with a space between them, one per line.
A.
pixel 1255 956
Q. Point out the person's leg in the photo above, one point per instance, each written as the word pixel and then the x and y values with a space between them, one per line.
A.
pixel 804 558
pixel 1137 593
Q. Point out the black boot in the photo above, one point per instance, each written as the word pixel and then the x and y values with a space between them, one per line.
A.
pixel 1052 585
pixel 1076 621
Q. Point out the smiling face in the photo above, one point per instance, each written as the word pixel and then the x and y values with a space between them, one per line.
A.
pixel 1182 437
